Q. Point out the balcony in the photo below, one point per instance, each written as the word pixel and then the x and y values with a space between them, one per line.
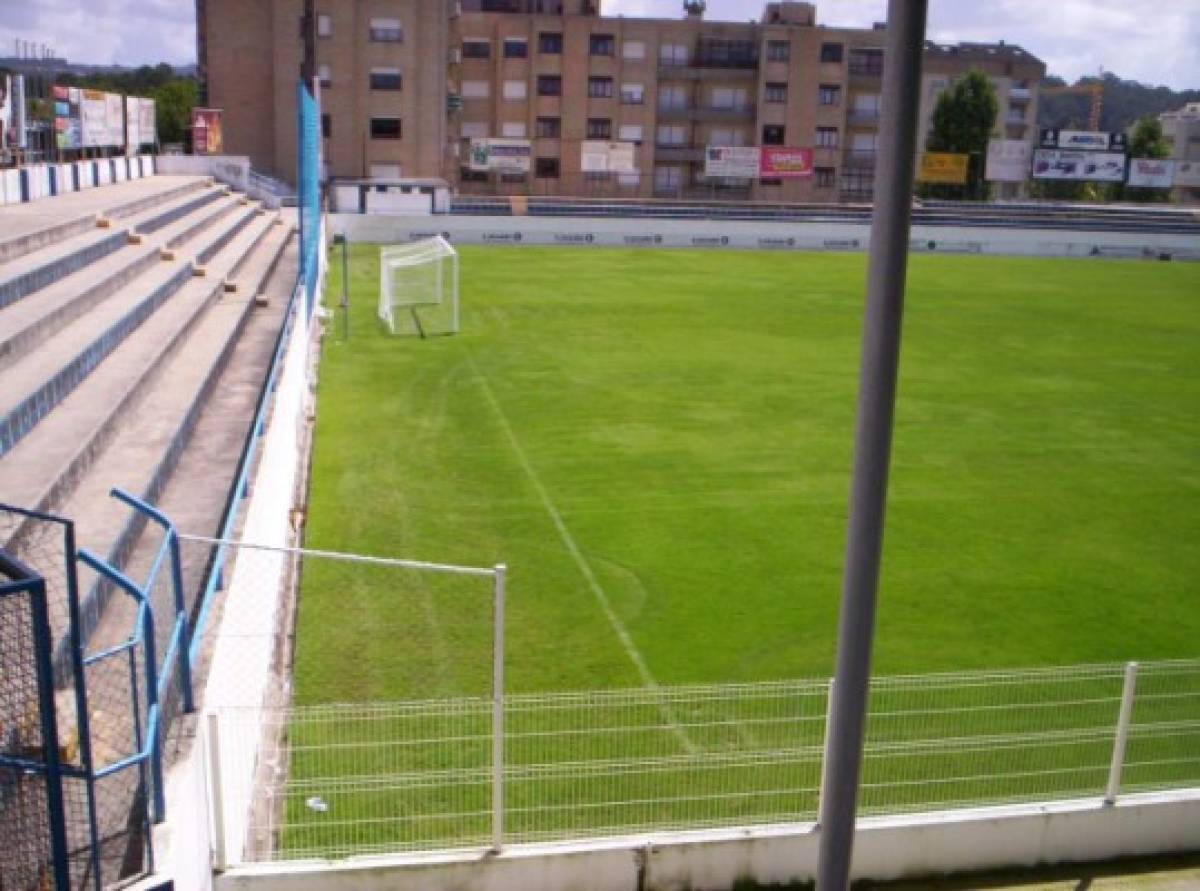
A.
pixel 862 117
pixel 697 71
pixel 683 154
pixel 708 114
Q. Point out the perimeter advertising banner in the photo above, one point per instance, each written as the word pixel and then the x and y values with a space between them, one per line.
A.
pixel 734 161
pixel 1008 160
pixel 1103 167
pixel 1187 174
pixel 778 162
pixel 1082 140
pixel 945 168
pixel 207 138
pixel 505 155
pixel 1150 173
pixel 608 157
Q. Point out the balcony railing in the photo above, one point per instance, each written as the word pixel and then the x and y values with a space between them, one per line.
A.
pixel 863 117
pixel 707 113
pixel 678 153
pixel 1020 94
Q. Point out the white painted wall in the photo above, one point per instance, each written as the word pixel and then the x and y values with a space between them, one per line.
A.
pixel 233 170
pixel 747 234
pixel 885 848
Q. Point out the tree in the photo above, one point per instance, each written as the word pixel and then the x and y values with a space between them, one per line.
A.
pixel 962 123
pixel 173 106
pixel 1146 142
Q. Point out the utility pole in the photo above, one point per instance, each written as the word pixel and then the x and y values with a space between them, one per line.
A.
pixel 887 266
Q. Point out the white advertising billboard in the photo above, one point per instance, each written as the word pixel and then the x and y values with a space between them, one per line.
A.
pixel 736 161
pixel 103 118
pixel 139 123
pixel 506 155
pixel 1008 160
pixel 1105 167
pixel 608 157
pixel 1151 173
pixel 147 122
pixel 1187 174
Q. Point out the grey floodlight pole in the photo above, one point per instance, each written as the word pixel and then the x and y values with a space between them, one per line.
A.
pixel 873 437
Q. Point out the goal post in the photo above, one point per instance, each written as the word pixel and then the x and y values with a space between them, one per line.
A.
pixel 418 287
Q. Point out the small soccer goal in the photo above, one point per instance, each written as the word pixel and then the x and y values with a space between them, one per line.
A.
pixel 418 287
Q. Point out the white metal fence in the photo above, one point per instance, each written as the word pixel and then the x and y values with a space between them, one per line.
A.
pixel 421 776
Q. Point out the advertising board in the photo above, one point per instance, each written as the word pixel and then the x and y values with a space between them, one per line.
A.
pixel 1187 174
pixel 506 155
pixel 1008 160
pixel 943 167
pixel 1081 140
pixel 597 156
pixel 778 162
pixel 1104 167
pixel 1151 173
pixel 207 138
pixel 734 161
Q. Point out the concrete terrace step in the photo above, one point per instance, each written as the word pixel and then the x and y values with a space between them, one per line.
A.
pixel 153 435
pixel 25 228
pixel 44 267
pixel 40 380
pixel 46 465
pixel 31 321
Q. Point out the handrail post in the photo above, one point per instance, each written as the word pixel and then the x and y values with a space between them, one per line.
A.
pixel 216 791
pixel 1121 741
pixel 498 708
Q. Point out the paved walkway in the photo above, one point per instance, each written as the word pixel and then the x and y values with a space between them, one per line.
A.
pixel 1158 874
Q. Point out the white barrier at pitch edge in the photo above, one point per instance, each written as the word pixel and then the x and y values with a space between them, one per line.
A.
pixel 751 235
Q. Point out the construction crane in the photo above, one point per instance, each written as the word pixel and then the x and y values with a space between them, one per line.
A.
pixel 1095 88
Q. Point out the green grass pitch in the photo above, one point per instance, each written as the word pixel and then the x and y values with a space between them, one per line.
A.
pixel 658 444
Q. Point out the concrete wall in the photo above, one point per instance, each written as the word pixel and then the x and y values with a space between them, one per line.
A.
pixel 233 170
pixel 756 235
pixel 886 848
pixel 33 182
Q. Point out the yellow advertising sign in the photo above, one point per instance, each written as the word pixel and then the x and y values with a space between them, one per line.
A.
pixel 943 167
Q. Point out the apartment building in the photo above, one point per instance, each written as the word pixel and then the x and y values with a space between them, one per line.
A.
pixel 407 85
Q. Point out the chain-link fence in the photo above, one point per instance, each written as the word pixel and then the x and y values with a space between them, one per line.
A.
pixel 345 780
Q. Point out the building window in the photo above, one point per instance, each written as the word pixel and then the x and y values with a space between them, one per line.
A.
pixel 599 128
pixel 629 180
pixel 515 89
pixel 728 98
pixel 825 177
pixel 550 42
pixel 476 49
pixel 668 178
pixel 511 177
pixel 549 85
pixel 672 54
pixel 866 62
pixel 864 143
pixel 386 31
pixel 773 182
pixel 474 130
pixel 326 126
pixel 672 98
pixel 476 89
pixel 513 130
pixel 776 93
pixel 724 136
pixel 385 128
pixel 546 168
pixel 474 176
pixel 324 26
pixel 858 182
pixel 633 94
pixel 516 48
pixel 831 52
pixel 600 87
pixel 635 50
pixel 630 133
pixel 827 137
pixel 773 134
pixel 602 45
pixel 779 51
pixel 324 76
pixel 671 134
pixel 549 128
pixel 830 94
pixel 386 79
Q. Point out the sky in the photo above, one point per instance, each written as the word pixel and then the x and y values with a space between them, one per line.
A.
pixel 1154 41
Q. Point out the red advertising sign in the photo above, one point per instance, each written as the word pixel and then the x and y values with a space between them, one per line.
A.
pixel 778 162
pixel 206 131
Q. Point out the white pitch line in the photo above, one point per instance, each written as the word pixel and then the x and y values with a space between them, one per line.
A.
pixel 585 568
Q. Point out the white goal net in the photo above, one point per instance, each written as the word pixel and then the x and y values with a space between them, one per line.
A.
pixel 418 287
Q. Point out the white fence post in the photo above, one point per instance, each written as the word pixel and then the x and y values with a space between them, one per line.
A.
pixel 216 792
pixel 1124 717
pixel 825 755
pixel 498 710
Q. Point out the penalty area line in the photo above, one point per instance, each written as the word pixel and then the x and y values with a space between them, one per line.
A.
pixel 585 568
